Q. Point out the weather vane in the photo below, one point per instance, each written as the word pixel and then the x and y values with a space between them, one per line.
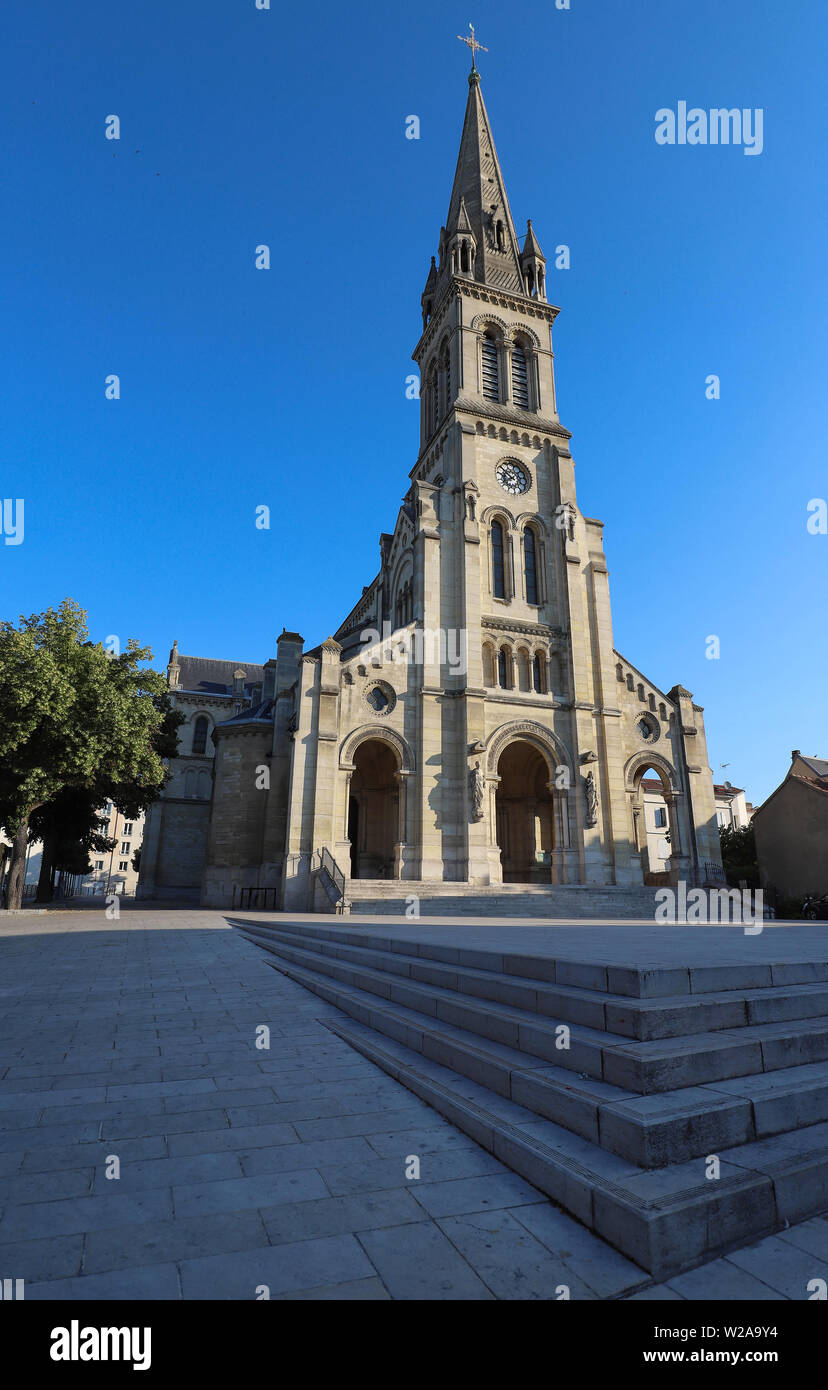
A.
pixel 473 45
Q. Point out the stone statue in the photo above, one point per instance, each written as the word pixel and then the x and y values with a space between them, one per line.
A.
pixel 476 790
pixel 591 799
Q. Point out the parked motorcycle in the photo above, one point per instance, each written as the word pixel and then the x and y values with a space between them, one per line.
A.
pixel 815 909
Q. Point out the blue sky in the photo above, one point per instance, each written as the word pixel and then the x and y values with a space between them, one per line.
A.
pixel 242 387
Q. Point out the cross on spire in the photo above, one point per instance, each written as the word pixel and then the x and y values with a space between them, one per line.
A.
pixel 473 45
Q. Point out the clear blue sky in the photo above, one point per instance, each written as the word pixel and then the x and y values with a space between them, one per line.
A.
pixel 241 387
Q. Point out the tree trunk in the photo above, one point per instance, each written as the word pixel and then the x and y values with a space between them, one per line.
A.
pixel 17 870
pixel 47 861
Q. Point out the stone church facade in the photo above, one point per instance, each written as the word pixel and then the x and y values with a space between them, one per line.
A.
pixel 470 720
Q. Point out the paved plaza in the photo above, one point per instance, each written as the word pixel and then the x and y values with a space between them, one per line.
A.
pixel 245 1172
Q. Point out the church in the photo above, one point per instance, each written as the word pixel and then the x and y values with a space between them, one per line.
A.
pixel 469 722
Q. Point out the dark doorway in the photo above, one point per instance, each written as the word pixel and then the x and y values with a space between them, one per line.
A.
pixel 525 815
pixel 353 832
pixel 373 811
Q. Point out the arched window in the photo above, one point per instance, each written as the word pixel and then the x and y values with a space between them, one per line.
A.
pixel 530 565
pixel 498 561
pixel 539 673
pixel 499 235
pixel 520 377
pixel 523 669
pixel 404 607
pixel 491 374
pixel 504 671
pixel 434 399
pixel 488 664
pixel 200 734
pixel 445 370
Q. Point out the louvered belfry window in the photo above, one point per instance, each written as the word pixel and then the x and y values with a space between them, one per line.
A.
pixel 491 376
pixel 530 565
pixel 520 378
pixel 498 563
pixel 498 566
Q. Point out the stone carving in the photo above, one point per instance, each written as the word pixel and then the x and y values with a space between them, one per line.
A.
pixel 476 790
pixel 591 792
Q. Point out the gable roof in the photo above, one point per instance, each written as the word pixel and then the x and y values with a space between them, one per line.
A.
pixel 819 766
pixel 214 677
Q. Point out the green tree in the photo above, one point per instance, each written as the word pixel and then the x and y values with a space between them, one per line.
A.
pixel 739 855
pixel 69 825
pixel 69 828
pixel 71 715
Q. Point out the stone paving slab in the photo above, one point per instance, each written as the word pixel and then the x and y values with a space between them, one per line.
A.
pixel 242 1167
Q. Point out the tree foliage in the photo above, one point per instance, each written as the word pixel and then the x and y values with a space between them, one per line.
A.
pixel 739 855
pixel 74 717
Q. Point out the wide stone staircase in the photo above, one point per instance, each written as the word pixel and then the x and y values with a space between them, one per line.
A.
pixel 677 1111
pixel 392 897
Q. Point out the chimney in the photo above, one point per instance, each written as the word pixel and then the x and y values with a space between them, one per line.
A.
pixel 794 754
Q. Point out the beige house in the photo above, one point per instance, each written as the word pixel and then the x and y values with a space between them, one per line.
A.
pixel 733 812
pixel 792 831
pixel 656 823
pixel 112 870
pixel 470 720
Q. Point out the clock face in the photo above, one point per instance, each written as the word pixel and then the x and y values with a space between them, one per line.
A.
pixel 512 478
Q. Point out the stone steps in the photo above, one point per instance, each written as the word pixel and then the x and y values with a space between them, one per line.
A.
pixel 470 1035
pixel 642 1020
pixel 646 980
pixel 645 1068
pixel 686 1121
pixel 667 1220
pixel 392 897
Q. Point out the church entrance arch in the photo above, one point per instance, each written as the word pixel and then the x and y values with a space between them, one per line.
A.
pixel 525 814
pixel 655 824
pixel 373 809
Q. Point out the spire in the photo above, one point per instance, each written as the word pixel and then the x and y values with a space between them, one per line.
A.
pixel 427 296
pixel 530 244
pixel 479 205
pixel 533 265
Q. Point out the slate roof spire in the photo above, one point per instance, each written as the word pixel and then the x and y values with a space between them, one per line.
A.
pixel 479 202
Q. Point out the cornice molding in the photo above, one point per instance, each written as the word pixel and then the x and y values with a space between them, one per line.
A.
pixel 530 629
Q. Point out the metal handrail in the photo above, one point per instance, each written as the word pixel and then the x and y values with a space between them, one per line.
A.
pixel 332 869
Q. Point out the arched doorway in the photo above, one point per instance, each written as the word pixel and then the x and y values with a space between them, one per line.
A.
pixel 373 810
pixel 655 828
pixel 525 814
